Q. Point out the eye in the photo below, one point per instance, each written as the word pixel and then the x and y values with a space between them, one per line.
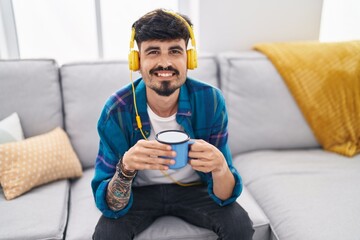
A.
pixel 153 52
pixel 175 51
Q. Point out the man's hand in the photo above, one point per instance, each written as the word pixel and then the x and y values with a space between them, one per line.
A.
pixel 207 158
pixel 146 155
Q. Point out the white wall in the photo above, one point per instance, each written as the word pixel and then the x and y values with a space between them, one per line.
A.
pixel 233 25
pixel 340 20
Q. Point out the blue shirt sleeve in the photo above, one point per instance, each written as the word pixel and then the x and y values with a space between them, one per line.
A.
pixel 219 137
pixel 113 145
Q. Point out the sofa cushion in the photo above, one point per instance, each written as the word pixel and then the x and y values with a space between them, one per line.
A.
pixel 39 214
pixel 207 71
pixel 10 129
pixel 262 112
pixel 306 194
pixel 86 87
pixel 83 217
pixel 36 161
pixel 324 79
pixel 32 89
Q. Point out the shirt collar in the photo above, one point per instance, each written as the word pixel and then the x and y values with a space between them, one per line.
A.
pixel 184 106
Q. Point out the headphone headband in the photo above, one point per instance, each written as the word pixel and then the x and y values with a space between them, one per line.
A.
pixel 132 39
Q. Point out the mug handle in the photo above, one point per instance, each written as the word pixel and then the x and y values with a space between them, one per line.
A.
pixel 190 142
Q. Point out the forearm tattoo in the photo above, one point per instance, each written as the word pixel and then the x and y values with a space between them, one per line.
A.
pixel 119 188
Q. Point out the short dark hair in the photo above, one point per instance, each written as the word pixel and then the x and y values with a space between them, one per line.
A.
pixel 160 25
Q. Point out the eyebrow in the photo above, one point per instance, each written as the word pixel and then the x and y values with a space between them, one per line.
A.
pixel 151 48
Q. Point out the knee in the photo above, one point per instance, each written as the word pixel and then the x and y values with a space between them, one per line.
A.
pixel 107 229
pixel 237 225
pixel 244 226
pixel 99 234
pixel 238 230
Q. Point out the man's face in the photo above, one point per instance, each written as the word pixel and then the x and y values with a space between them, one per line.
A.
pixel 163 65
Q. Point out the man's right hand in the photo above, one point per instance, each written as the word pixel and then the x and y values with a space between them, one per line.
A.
pixel 148 155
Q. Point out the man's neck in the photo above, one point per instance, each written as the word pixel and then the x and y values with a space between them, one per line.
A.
pixel 163 106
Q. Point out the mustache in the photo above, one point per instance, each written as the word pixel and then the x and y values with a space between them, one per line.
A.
pixel 169 68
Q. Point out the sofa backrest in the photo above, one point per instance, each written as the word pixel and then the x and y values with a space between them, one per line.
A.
pixel 262 112
pixel 86 86
pixel 32 89
pixel 207 71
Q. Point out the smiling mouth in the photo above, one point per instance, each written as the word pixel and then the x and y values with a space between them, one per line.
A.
pixel 164 74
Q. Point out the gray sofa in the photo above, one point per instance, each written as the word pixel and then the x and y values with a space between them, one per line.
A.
pixel 292 188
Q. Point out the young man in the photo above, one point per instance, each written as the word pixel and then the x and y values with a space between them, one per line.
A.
pixel 133 184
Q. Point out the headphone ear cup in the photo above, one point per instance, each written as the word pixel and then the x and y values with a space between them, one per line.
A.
pixel 191 59
pixel 134 62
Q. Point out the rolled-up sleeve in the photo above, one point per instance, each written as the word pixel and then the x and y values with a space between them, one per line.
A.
pixel 219 138
pixel 111 148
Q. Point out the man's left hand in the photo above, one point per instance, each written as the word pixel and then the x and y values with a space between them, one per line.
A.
pixel 207 158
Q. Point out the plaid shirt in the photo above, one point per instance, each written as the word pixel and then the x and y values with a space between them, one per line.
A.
pixel 201 112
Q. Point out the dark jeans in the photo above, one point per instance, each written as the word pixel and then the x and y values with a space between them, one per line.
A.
pixel 192 204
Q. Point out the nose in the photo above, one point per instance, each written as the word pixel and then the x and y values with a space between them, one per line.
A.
pixel 164 61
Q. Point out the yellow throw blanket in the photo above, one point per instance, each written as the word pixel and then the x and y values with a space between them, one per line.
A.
pixel 324 79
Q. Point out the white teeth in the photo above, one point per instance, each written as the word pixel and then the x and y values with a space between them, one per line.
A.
pixel 164 74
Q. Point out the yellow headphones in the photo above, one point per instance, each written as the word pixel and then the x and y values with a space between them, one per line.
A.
pixel 134 61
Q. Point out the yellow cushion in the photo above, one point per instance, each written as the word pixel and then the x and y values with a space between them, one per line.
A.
pixel 324 79
pixel 35 161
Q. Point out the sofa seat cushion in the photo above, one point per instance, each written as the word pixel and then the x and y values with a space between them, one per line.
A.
pixel 83 217
pixel 83 214
pixel 306 194
pixel 169 227
pixel 39 214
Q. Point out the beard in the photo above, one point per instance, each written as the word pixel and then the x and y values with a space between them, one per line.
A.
pixel 165 89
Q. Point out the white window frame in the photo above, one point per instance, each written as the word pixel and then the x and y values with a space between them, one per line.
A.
pixel 9 44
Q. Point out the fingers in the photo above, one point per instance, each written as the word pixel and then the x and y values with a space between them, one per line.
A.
pixel 203 150
pixel 205 157
pixel 202 165
pixel 154 164
pixel 153 148
pixel 152 144
pixel 149 155
pixel 200 145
